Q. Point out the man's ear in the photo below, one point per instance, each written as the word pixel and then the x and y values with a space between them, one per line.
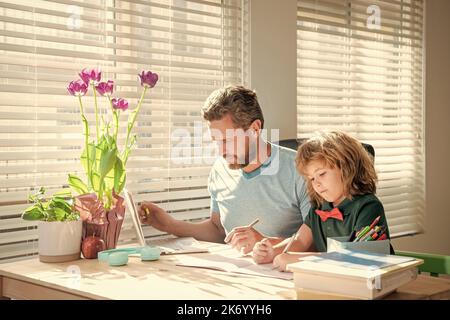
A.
pixel 256 126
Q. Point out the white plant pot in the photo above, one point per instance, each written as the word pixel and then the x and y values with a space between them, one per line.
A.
pixel 59 241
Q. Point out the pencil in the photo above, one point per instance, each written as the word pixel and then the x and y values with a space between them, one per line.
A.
pixel 290 242
pixel 253 223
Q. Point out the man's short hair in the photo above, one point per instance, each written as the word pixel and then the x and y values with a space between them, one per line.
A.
pixel 237 101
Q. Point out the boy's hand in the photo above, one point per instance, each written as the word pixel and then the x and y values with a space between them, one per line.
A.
pixel 282 260
pixel 263 252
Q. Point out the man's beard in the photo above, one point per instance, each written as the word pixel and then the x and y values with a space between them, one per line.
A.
pixel 236 166
pixel 238 163
pixel 250 157
pixel 251 154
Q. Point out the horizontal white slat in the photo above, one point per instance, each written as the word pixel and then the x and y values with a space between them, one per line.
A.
pixel 357 18
pixel 147 172
pixel 16 223
pixel 42 154
pixel 168 187
pixel 330 32
pixel 391 6
pixel 18 236
pixel 12 210
pixel 312 40
pixel 65 72
pixel 18 250
pixel 171 195
pixel 75 117
pixel 125 59
pixel 355 107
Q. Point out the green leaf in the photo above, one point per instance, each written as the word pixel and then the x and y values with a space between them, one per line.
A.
pixel 96 181
pixel 33 213
pixel 60 203
pixel 38 196
pixel 92 157
pixel 77 185
pixel 119 176
pixel 64 193
pixel 107 161
pixel 60 214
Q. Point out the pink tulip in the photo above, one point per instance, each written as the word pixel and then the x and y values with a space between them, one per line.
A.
pixel 148 79
pixel 119 103
pixel 77 88
pixel 90 76
pixel 105 88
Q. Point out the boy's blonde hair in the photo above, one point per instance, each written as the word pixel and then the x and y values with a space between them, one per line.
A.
pixel 339 150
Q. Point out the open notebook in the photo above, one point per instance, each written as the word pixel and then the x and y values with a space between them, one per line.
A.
pixel 171 245
pixel 224 258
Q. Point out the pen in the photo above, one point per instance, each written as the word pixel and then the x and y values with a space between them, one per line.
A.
pixel 227 238
pixel 147 212
pixel 253 223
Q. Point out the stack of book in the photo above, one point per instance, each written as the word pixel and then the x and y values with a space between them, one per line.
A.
pixel 352 274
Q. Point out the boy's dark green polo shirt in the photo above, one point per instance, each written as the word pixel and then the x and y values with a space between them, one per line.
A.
pixel 358 213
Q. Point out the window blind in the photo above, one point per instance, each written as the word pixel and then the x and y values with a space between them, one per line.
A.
pixel 195 46
pixel 364 75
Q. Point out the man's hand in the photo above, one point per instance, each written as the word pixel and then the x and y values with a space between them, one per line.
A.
pixel 151 214
pixel 263 252
pixel 243 238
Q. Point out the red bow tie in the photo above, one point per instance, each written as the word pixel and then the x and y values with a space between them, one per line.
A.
pixel 335 213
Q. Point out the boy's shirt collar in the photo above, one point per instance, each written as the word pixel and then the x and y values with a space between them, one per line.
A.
pixel 343 206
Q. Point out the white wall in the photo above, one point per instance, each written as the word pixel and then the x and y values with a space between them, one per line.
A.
pixel 273 75
pixel 273 62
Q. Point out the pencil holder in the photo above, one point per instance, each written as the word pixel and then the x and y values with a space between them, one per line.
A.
pixel 338 243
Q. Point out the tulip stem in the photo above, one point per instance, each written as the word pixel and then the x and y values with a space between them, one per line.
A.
pixel 96 110
pixel 116 119
pixel 133 120
pixel 86 133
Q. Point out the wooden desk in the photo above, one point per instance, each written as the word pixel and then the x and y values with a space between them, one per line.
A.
pixel 162 279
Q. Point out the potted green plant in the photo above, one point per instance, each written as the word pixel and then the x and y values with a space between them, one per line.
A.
pixel 59 226
pixel 99 199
